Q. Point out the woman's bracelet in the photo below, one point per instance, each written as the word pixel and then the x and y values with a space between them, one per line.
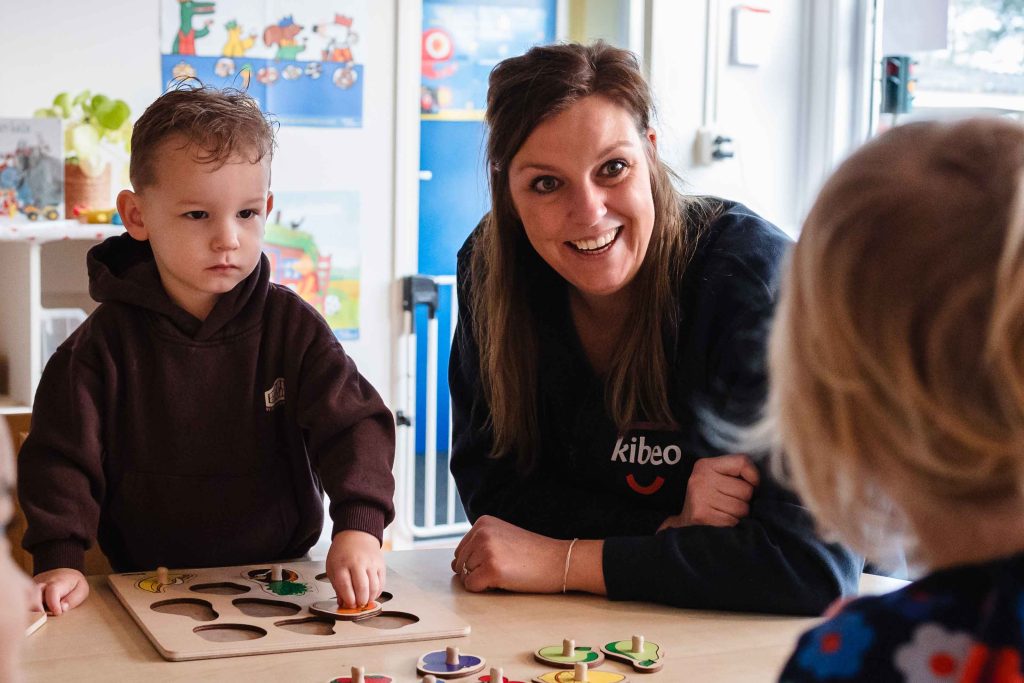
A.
pixel 565 572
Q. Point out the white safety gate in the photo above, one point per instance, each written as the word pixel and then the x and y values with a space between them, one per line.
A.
pixel 417 291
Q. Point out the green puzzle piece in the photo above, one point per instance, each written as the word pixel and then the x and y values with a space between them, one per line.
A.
pixel 581 654
pixel 623 648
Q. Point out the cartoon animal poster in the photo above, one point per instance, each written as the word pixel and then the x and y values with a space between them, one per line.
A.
pixel 31 170
pixel 312 241
pixel 303 61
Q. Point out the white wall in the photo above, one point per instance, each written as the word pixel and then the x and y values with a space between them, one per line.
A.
pixel 760 108
pixel 49 46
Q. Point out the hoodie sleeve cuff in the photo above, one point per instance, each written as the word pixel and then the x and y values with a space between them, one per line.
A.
pixel 629 570
pixel 56 555
pixel 358 517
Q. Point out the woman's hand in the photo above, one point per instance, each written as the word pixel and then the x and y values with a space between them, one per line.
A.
pixel 496 554
pixel 718 492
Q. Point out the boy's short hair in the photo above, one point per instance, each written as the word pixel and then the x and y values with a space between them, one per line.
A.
pixel 216 123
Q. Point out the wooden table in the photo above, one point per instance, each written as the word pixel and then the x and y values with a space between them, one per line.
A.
pixel 98 641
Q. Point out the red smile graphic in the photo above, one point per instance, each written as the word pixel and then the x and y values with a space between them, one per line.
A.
pixel 648 490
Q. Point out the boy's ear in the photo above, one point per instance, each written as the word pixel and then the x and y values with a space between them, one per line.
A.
pixel 130 209
pixel 270 204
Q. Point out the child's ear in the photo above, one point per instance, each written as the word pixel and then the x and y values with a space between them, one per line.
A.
pixel 270 203
pixel 130 209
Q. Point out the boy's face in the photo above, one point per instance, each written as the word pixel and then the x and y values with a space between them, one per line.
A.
pixel 205 224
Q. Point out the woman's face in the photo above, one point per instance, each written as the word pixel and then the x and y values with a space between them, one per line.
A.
pixel 581 185
pixel 14 606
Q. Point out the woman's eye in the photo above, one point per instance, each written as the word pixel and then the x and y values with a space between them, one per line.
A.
pixel 246 214
pixel 196 215
pixel 614 167
pixel 545 184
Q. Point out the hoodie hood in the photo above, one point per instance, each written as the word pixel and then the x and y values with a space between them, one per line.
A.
pixel 123 270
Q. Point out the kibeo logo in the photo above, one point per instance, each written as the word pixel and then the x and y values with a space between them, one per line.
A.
pixel 639 453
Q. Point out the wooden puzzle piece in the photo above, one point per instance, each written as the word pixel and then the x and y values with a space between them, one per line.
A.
pixel 567 654
pixel 449 663
pixel 496 676
pixel 331 608
pixel 358 676
pixel 158 582
pixel 35 622
pixel 278 580
pixel 580 674
pixel 644 656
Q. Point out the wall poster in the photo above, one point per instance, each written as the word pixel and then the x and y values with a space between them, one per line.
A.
pixel 301 60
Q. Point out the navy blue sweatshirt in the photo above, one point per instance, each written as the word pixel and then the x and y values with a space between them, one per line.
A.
pixel 592 482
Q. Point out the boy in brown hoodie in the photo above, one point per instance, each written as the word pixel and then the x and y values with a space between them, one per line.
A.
pixel 198 415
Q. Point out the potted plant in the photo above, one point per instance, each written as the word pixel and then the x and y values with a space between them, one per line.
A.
pixel 95 127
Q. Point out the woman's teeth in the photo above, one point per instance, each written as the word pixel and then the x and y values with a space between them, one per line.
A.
pixel 597 243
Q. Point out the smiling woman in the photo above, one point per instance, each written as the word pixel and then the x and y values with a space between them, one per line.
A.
pixel 606 321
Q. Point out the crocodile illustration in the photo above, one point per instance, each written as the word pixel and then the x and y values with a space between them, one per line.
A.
pixel 185 40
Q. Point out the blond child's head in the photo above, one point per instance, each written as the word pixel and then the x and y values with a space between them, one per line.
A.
pixel 200 171
pixel 897 353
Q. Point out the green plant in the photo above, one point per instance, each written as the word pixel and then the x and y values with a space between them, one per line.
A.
pixel 94 124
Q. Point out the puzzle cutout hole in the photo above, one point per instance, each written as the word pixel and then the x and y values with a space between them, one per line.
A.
pixel 258 607
pixel 222 588
pixel 310 626
pixel 388 620
pixel 200 610
pixel 229 633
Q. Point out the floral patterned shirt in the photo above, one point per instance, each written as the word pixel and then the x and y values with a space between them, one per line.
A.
pixel 960 624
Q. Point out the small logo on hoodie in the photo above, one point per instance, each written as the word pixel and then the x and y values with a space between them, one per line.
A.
pixel 275 394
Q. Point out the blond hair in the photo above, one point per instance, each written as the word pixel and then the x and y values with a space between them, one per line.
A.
pixel 897 353
pixel 524 92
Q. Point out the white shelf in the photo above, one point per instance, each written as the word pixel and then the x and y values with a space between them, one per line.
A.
pixel 52 231
pixel 42 265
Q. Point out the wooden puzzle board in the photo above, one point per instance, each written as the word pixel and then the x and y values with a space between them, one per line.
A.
pixel 268 616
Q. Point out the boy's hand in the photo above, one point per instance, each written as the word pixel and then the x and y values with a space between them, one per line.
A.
pixel 59 590
pixel 355 566
pixel 718 492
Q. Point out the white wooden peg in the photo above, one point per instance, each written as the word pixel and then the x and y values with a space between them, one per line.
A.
pixel 276 573
pixel 162 576
pixel 568 647
pixel 358 673
pixel 497 675
pixel 579 673
pixel 638 644
pixel 451 655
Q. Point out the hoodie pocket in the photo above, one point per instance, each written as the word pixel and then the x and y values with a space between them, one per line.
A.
pixel 186 521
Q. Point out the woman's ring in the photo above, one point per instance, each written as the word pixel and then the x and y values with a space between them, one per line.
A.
pixel 465 570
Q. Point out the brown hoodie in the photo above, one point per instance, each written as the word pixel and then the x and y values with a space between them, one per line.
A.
pixel 184 443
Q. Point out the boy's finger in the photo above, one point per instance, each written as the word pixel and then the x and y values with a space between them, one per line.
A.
pixel 382 580
pixel 374 578
pixel 343 587
pixel 52 596
pixel 35 597
pixel 360 587
pixel 77 595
